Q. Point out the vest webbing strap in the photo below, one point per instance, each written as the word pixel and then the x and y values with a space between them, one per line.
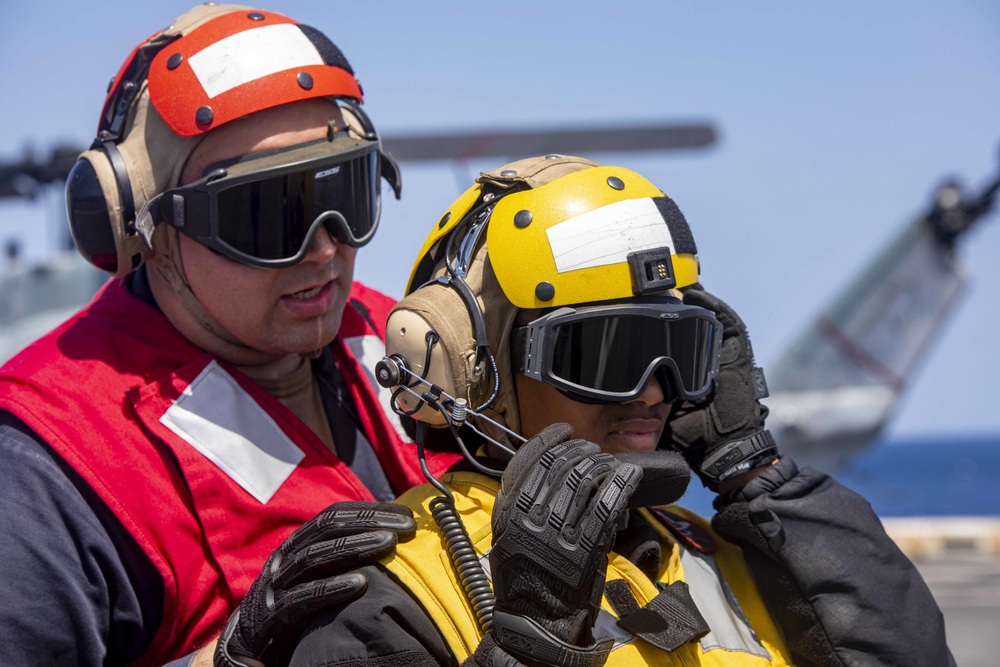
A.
pixel 668 621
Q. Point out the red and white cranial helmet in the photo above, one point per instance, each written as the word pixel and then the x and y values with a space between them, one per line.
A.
pixel 241 62
pixel 213 65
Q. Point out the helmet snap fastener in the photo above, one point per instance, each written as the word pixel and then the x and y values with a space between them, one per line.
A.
pixel 508 172
pixel 255 16
pixel 522 219
pixel 175 61
pixel 616 183
pixel 305 80
pixel 204 116
pixel 545 291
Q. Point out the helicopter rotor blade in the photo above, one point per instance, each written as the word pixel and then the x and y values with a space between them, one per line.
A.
pixel 23 178
pixel 540 141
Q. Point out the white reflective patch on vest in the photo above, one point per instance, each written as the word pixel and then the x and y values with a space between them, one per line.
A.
pixel 730 629
pixel 608 234
pixel 250 55
pixel 223 422
pixel 369 350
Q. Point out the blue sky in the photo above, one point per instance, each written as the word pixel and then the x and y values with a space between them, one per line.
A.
pixel 835 124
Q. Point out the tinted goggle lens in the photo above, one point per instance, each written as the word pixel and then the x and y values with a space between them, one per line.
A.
pixel 616 354
pixel 274 218
pixel 608 353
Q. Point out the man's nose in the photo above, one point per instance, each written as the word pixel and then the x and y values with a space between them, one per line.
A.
pixel 652 393
pixel 323 245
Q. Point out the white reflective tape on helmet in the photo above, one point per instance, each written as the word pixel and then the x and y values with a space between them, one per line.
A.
pixel 608 234
pixel 251 55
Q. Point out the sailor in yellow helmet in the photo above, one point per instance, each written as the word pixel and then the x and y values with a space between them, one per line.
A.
pixel 559 290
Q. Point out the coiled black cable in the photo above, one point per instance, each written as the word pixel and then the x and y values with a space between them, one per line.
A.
pixel 466 561
pixel 463 556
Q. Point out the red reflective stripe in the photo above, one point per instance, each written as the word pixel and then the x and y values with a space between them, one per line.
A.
pixel 855 352
pixel 690 534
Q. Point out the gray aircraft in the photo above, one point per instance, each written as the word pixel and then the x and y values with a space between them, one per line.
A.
pixel 835 388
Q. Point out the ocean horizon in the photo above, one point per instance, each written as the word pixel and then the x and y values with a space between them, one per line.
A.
pixel 909 476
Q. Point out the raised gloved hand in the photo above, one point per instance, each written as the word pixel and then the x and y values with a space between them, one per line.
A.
pixel 309 572
pixel 553 525
pixel 724 435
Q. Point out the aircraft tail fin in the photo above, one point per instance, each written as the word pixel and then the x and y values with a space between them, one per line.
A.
pixel 835 388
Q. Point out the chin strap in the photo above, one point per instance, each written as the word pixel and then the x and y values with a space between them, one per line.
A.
pixel 169 264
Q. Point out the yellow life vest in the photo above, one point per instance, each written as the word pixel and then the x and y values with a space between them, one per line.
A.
pixel 742 630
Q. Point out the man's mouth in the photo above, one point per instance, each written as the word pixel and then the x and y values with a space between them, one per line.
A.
pixel 639 425
pixel 307 293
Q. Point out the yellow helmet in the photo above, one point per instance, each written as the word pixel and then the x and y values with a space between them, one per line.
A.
pixel 537 233
pixel 561 230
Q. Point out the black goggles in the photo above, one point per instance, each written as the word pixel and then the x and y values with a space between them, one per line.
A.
pixel 265 208
pixel 607 353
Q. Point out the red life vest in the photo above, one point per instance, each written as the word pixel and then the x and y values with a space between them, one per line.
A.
pixel 205 469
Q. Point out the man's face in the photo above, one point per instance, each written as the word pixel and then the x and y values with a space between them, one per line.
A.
pixel 283 311
pixel 634 426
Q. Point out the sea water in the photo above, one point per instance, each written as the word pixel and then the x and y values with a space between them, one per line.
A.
pixel 913 476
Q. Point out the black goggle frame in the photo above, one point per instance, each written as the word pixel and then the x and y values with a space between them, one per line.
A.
pixel 194 208
pixel 533 348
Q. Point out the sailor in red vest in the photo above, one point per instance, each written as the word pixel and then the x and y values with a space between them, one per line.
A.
pixel 217 393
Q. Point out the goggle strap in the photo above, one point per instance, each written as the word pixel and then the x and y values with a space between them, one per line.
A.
pixel 518 347
pixel 389 170
pixel 145 220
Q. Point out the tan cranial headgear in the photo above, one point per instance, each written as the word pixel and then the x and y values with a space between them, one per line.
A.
pixel 534 234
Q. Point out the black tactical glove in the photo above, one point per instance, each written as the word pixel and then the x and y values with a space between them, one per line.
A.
pixel 724 435
pixel 553 525
pixel 309 572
